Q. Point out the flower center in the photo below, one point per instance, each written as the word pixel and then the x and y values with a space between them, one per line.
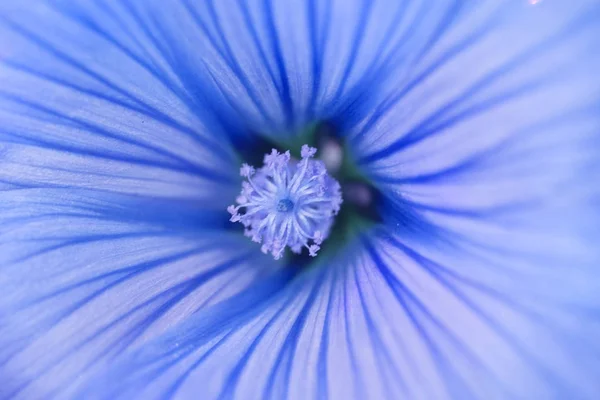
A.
pixel 285 205
pixel 268 218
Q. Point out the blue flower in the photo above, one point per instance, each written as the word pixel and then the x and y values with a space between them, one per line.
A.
pixel 463 263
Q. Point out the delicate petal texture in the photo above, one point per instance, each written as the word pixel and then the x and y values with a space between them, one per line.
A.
pixel 112 191
pixel 478 121
pixel 389 321
pixel 81 109
pixel 85 276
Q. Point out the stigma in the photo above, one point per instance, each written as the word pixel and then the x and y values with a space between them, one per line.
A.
pixel 287 203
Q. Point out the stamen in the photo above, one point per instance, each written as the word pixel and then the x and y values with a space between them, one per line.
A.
pixel 287 203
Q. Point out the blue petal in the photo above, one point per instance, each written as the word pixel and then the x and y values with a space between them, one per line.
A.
pixel 277 66
pixel 86 105
pixel 112 186
pixel 507 80
pixel 392 319
pixel 86 276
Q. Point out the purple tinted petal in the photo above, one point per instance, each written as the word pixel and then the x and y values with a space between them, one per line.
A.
pixel 89 101
pixel 394 319
pixel 505 79
pixel 282 65
pixel 111 184
pixel 86 276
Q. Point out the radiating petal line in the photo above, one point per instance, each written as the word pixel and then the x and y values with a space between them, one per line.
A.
pixel 185 164
pixel 359 30
pixel 250 25
pixel 73 62
pixel 419 133
pixel 478 160
pixel 275 43
pixel 154 70
pixel 158 290
pixel 226 54
pixel 522 350
pixel 318 37
pixel 385 68
pixel 381 356
pixel 154 360
pixel 405 297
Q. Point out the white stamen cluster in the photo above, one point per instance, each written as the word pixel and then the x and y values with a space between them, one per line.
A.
pixel 287 203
